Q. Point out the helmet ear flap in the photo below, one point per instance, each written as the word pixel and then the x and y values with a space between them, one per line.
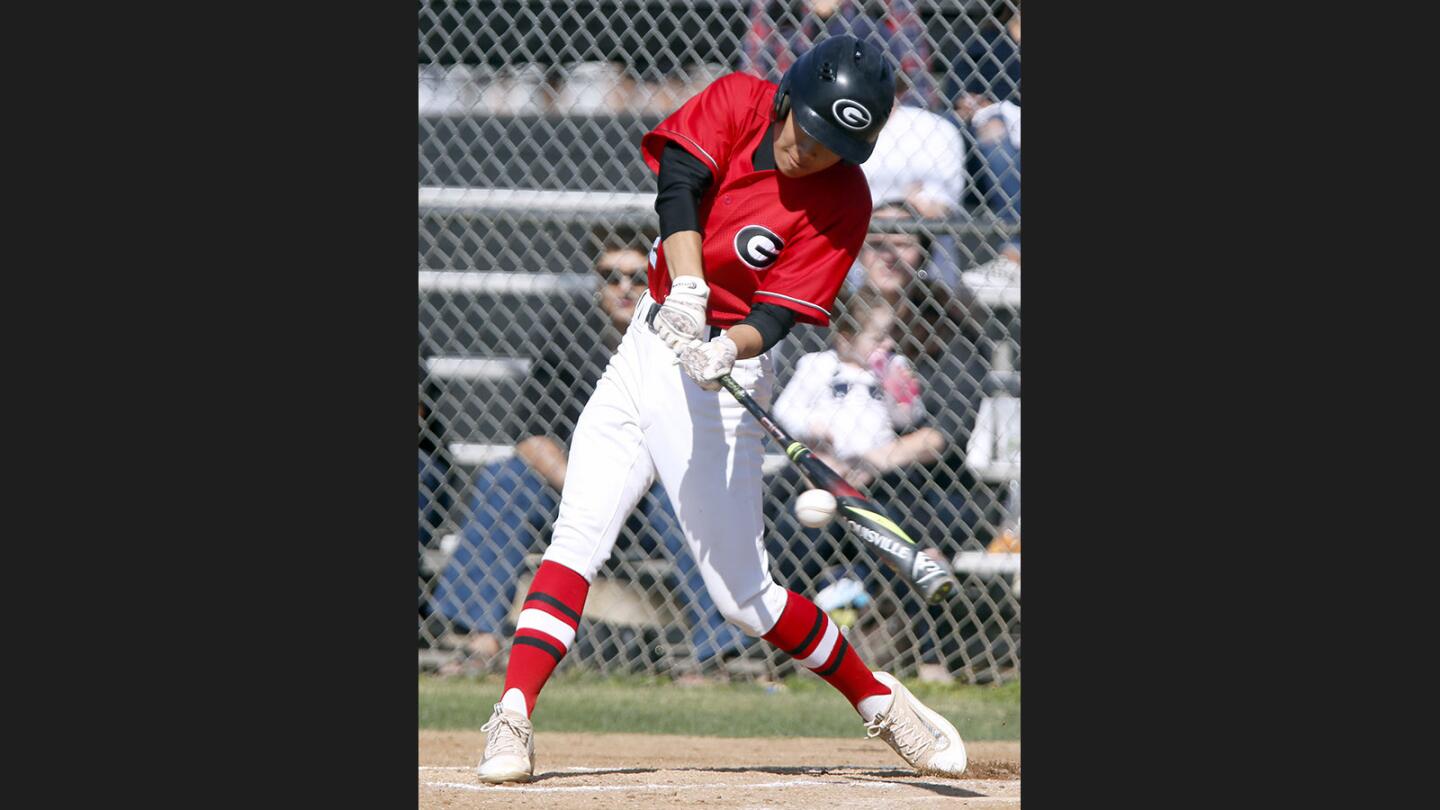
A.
pixel 782 104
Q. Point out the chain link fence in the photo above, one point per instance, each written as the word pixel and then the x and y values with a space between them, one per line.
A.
pixel 534 206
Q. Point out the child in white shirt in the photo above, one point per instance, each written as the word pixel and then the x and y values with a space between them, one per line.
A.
pixel 852 404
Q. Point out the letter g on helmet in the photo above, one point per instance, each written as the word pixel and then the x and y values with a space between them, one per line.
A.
pixel 841 92
pixel 851 114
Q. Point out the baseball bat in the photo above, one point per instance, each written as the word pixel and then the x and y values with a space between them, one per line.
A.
pixel 865 519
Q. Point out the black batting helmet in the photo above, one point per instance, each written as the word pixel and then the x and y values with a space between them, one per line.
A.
pixel 841 91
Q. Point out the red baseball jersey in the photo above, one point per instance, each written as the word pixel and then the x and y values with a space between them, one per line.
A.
pixel 766 238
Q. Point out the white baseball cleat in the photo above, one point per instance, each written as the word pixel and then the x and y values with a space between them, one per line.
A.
pixel 921 736
pixel 509 748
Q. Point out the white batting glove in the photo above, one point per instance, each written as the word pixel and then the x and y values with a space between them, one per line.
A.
pixel 707 362
pixel 681 318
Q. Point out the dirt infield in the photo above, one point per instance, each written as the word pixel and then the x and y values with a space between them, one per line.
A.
pixel 625 770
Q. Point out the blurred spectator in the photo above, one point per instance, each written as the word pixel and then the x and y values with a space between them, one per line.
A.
pixel 858 406
pixel 940 331
pixel 514 499
pixel 993 451
pixel 989 62
pixel 919 158
pixel 984 89
pixel 781 30
pixel 998 277
pixel 890 263
pixel 435 474
pixel 995 129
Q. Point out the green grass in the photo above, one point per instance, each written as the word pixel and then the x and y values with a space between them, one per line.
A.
pixel 802 706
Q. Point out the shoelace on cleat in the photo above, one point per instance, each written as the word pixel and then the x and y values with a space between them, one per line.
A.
pixel 498 741
pixel 910 741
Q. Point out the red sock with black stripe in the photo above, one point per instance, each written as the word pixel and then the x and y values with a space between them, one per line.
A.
pixel 806 634
pixel 545 629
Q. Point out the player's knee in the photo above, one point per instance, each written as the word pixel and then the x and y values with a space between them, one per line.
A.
pixel 757 614
pixel 574 554
pixel 744 619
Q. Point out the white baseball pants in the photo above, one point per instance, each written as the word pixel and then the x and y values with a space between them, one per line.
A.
pixel 647 418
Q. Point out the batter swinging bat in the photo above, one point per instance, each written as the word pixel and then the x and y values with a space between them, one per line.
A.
pixel 865 519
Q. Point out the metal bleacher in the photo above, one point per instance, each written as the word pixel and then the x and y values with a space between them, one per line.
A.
pixel 506 205
pixel 566 156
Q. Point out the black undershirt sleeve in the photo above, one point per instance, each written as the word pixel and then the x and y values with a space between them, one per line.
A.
pixel 772 322
pixel 682 182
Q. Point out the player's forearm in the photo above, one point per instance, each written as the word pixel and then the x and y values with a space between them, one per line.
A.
pixel 682 254
pixel 546 457
pixel 748 342
pixel 770 322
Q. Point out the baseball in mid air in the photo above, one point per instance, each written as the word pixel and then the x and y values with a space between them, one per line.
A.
pixel 814 508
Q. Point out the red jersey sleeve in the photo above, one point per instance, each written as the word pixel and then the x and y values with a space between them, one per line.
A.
pixel 810 272
pixel 708 125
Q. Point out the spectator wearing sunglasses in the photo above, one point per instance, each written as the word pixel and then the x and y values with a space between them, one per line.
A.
pixel 514 499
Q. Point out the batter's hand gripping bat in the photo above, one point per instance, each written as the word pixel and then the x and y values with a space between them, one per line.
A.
pixel 865 519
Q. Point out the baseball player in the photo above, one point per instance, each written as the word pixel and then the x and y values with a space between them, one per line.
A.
pixel 763 209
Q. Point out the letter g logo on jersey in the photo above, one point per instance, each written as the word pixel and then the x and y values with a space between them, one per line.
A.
pixel 851 114
pixel 757 246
